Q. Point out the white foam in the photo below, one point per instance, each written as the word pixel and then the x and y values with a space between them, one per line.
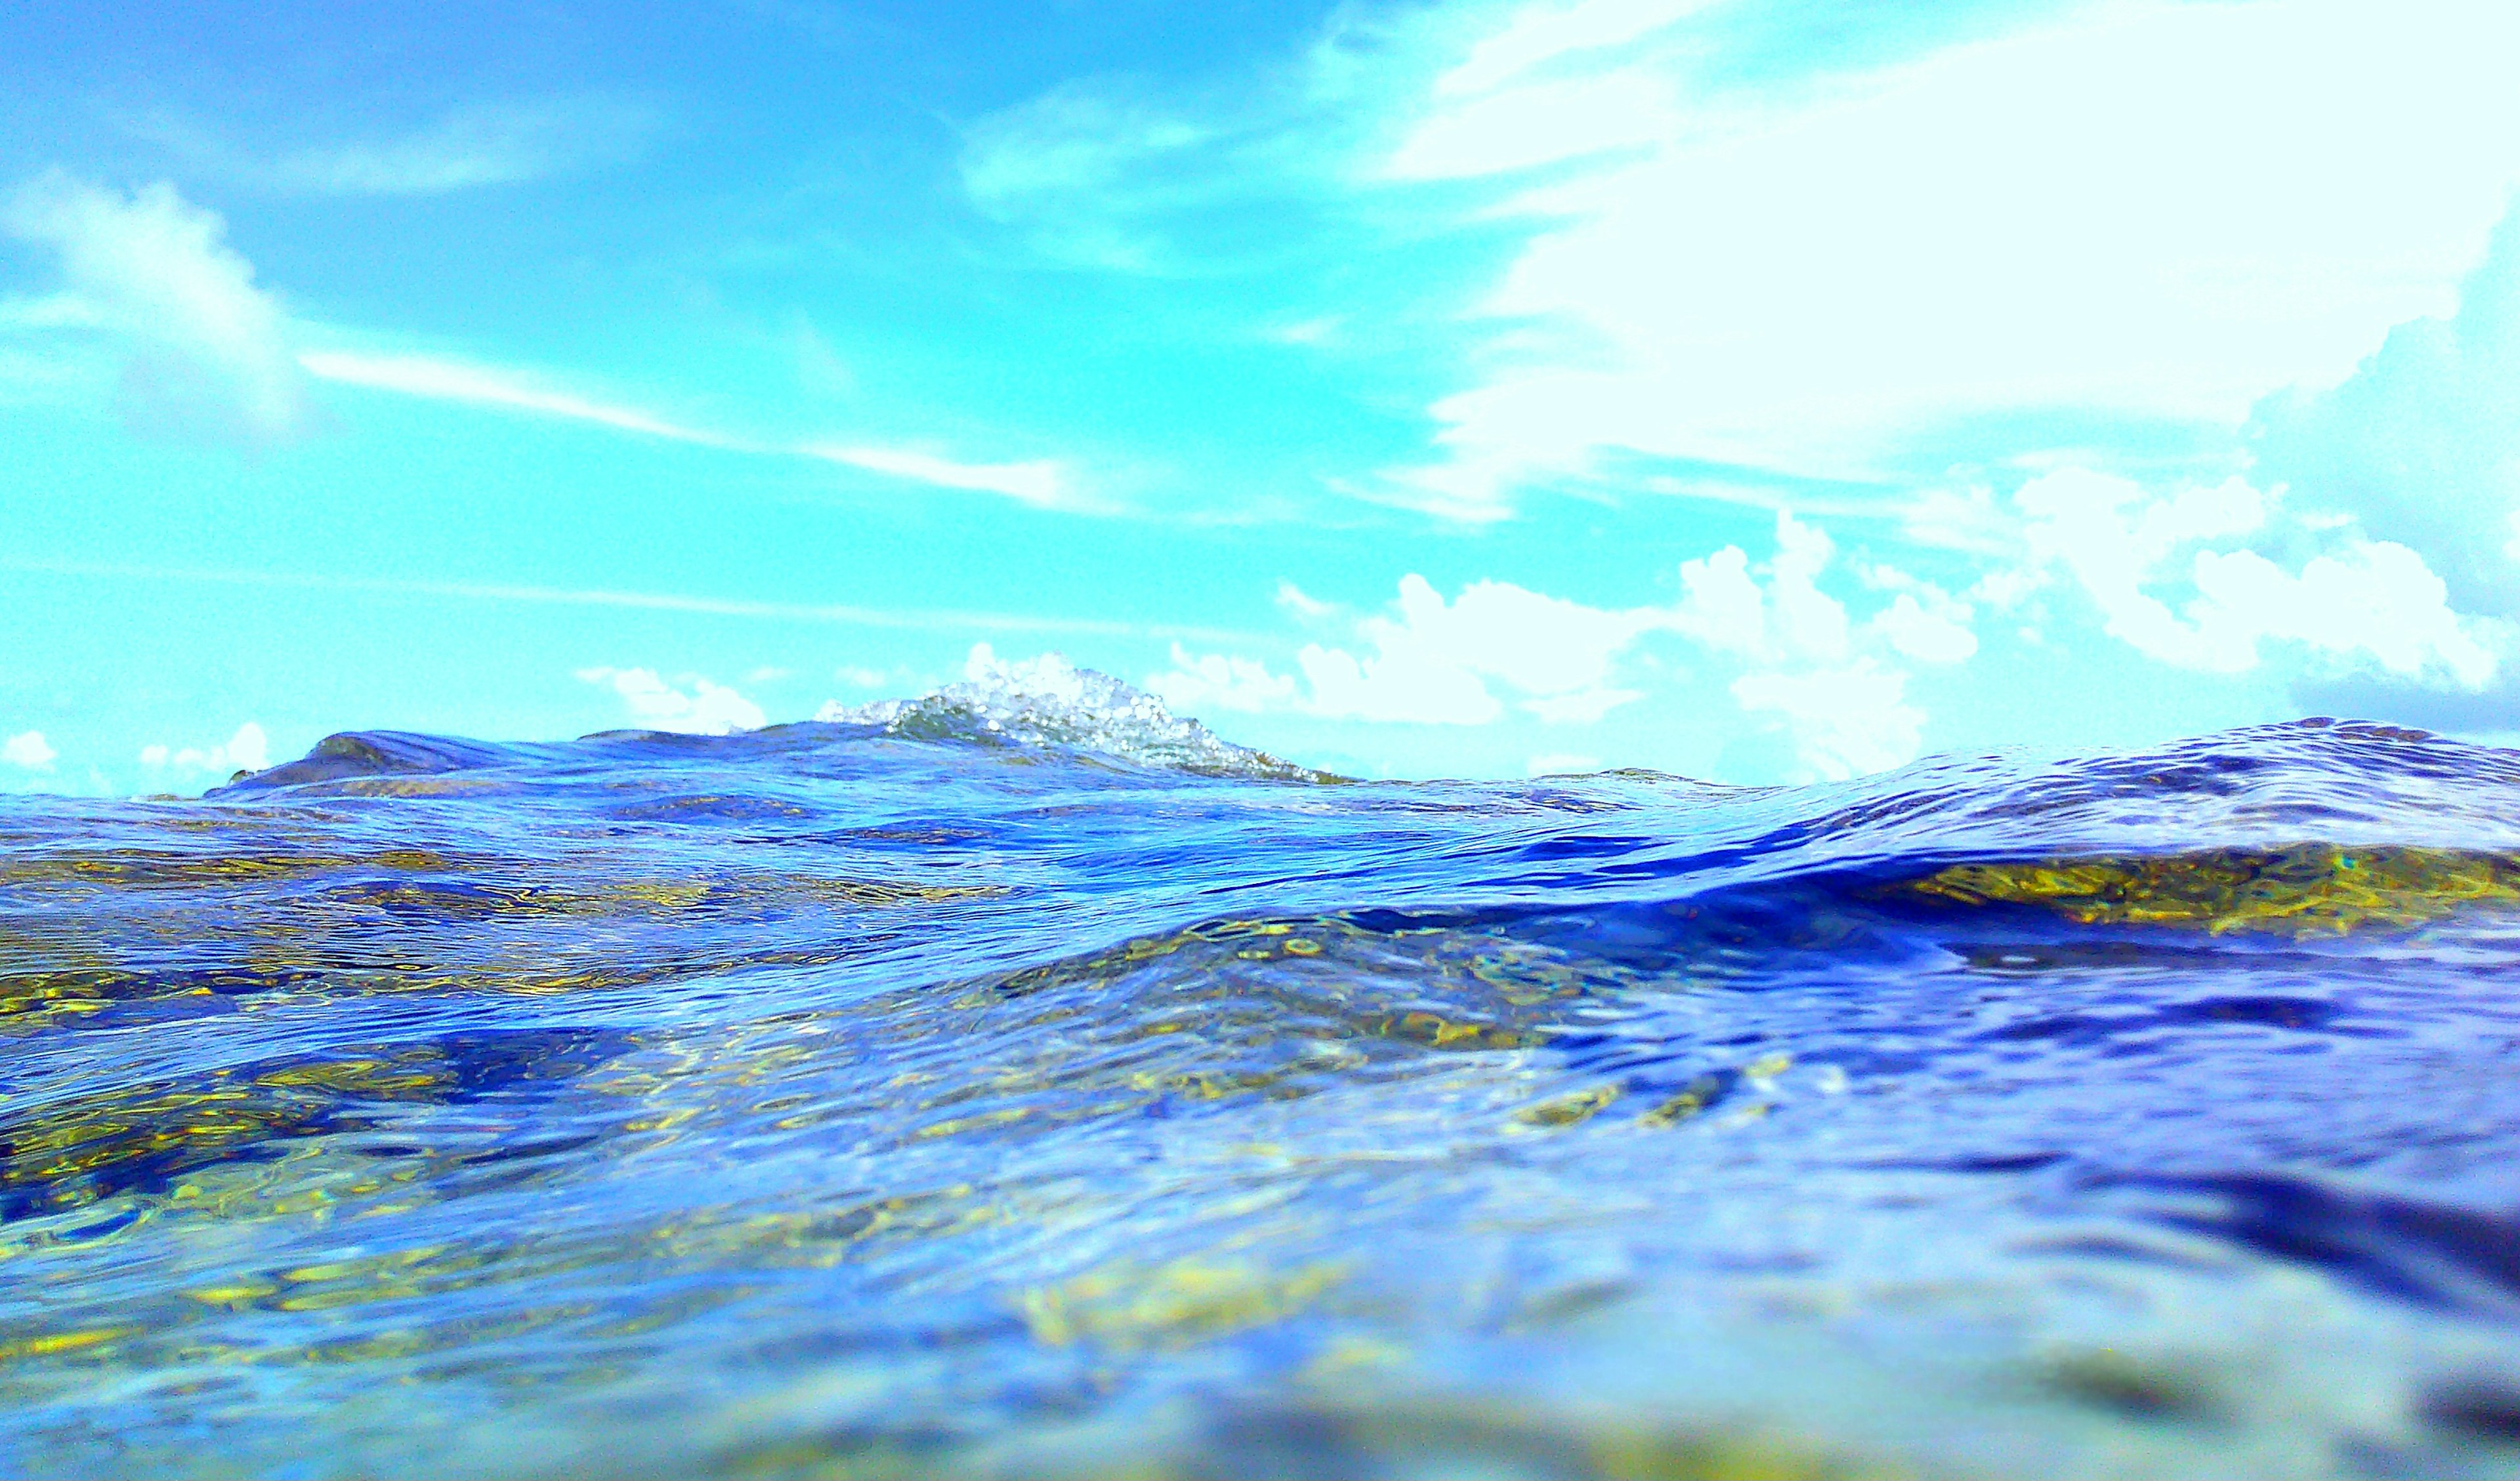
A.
pixel 1050 702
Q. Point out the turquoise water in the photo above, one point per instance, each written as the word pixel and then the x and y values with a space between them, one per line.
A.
pixel 1031 1082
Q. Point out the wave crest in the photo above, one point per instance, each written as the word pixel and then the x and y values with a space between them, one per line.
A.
pixel 1050 702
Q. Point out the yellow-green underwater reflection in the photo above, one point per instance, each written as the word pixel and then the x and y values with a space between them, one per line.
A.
pixel 2305 888
pixel 836 1100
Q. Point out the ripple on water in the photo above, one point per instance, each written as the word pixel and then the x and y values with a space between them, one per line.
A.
pixel 1027 1083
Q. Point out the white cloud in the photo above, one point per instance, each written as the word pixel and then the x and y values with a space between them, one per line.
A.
pixel 1560 764
pixel 1536 35
pixel 2363 602
pixel 213 354
pixel 1790 619
pixel 1831 686
pixel 1071 168
pixel 1539 122
pixel 1431 662
pixel 904 619
pixel 1928 636
pixel 210 357
pixel 1844 721
pixel 1042 482
pixel 2422 444
pixel 2378 598
pixel 470 146
pixel 248 749
pixel 2112 535
pixel 29 750
pixel 1295 600
pixel 704 710
pixel 2146 208
pixel 1211 682
pixel 450 380
pixel 1323 330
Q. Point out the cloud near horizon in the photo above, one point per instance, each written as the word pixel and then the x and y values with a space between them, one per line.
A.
pixel 248 749
pixel 1789 655
pixel 27 749
pixel 1827 662
pixel 705 708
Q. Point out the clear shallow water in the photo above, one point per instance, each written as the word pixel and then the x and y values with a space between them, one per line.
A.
pixel 1028 1084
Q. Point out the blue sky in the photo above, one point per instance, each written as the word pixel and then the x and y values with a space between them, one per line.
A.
pixel 1762 391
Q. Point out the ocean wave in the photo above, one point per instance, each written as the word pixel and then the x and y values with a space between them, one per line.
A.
pixel 1049 702
pixel 1022 1078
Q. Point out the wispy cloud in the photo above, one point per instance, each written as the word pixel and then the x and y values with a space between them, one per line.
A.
pixel 908 620
pixel 470 146
pixel 1093 175
pixel 210 353
pixel 452 381
pixel 1042 483
pixel 209 348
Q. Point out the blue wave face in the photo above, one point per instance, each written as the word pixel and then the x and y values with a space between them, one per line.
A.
pixel 1044 1084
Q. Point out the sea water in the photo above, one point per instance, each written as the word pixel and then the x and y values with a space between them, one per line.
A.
pixel 1022 1081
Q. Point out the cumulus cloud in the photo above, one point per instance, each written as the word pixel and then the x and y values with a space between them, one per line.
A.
pixel 1431 661
pixel 2360 602
pixel 2422 444
pixel 1833 687
pixel 248 749
pixel 704 709
pixel 1933 629
pixel 27 749
pixel 209 356
pixel 1212 681
pixel 1845 720
pixel 1074 169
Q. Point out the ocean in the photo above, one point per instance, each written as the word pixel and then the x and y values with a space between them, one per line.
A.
pixel 1027 1081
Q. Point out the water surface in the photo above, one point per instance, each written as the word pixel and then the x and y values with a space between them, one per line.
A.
pixel 1034 1083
